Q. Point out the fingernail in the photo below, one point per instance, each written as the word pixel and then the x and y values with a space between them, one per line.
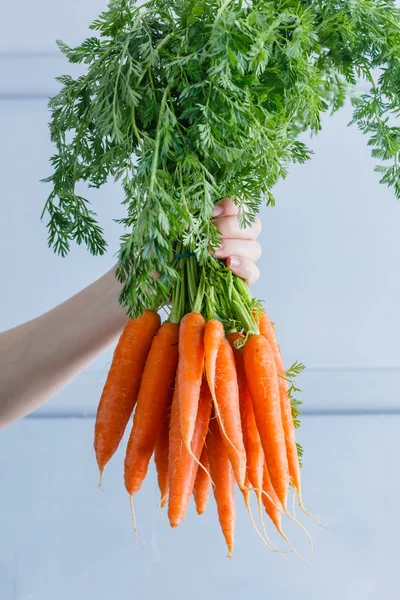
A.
pixel 217 211
pixel 234 261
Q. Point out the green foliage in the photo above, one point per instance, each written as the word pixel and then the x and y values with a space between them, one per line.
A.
pixel 300 452
pixel 291 374
pixel 295 370
pixel 186 101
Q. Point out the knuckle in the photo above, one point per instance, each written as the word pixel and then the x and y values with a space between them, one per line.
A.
pixel 255 276
pixel 257 250
pixel 257 226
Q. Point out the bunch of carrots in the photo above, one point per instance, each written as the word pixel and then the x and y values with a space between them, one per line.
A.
pixel 185 103
pixel 212 406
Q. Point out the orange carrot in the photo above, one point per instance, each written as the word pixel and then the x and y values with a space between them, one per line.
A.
pixel 155 391
pixel 224 480
pixel 122 385
pixel 161 459
pixel 202 483
pixel 190 372
pixel 262 381
pixel 251 437
pixel 273 509
pixel 267 330
pixel 227 410
pixel 182 465
pixel 213 334
pixel 271 500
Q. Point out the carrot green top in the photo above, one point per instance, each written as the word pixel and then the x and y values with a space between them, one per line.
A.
pixel 187 102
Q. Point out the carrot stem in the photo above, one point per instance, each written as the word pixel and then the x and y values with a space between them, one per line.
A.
pixel 192 279
pixel 201 284
pixel 244 315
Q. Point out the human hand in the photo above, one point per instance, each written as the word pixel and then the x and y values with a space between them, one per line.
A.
pixel 238 246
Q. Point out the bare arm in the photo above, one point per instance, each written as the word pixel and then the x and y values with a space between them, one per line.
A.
pixel 40 357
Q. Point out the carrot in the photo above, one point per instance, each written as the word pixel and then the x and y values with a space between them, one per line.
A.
pixel 155 391
pixel 227 410
pixel 122 385
pixel 271 501
pixel 213 334
pixel 182 464
pixel 224 479
pixel 161 459
pixel 201 490
pixel 190 372
pixel 251 438
pixel 273 509
pixel 267 330
pixel 262 381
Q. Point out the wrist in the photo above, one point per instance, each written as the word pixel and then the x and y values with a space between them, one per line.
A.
pixel 107 292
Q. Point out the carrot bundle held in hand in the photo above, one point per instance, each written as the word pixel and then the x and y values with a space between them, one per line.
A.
pixel 183 104
pixel 190 370
pixel 181 120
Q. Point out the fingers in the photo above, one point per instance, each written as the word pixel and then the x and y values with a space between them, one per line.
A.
pixel 238 246
pixel 244 267
pixel 249 249
pixel 228 227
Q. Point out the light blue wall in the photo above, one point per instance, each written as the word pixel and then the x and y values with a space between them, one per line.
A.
pixel 330 281
pixel 62 538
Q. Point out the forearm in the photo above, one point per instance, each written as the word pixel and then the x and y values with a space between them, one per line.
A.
pixel 38 358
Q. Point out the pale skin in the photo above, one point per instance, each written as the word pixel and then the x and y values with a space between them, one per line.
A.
pixel 40 357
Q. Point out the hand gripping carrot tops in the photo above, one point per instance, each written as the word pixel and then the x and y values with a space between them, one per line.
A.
pixel 209 405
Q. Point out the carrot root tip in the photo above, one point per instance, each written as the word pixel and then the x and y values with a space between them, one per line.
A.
pixel 308 513
pixel 260 511
pixel 134 522
pixel 190 451
pixel 289 543
pixel 294 505
pixel 248 507
pixel 292 518
pixel 279 506
pixel 161 506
